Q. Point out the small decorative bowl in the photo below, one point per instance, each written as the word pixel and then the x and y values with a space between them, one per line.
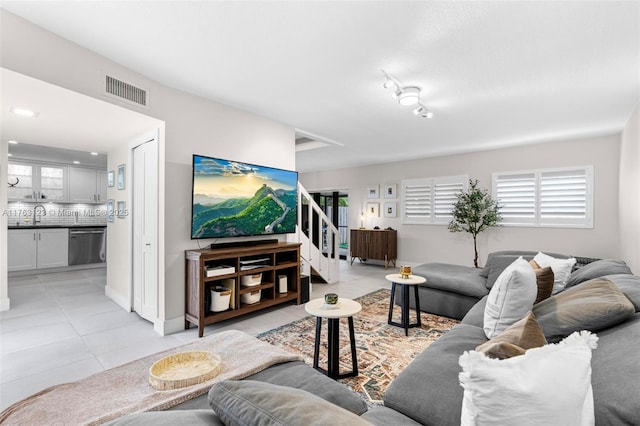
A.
pixel 330 298
pixel 405 271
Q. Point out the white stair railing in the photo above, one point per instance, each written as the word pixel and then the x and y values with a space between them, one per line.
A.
pixel 323 257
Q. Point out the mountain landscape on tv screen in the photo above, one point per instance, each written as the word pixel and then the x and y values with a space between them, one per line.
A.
pixel 269 211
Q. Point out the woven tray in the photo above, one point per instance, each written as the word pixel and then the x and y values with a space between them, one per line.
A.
pixel 184 369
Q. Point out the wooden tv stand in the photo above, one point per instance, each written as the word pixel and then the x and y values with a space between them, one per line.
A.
pixel 273 260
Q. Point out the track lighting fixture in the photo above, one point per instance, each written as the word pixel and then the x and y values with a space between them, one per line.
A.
pixel 406 96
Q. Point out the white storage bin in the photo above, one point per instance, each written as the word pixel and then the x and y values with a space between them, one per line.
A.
pixel 220 298
pixel 250 280
pixel 282 283
pixel 249 298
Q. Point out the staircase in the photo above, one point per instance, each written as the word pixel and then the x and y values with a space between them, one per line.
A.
pixel 320 239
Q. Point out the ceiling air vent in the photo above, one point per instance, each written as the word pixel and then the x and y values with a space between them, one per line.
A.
pixel 126 91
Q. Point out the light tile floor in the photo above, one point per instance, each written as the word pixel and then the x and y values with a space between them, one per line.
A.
pixel 61 327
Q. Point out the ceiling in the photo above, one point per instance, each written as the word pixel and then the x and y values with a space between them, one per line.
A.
pixel 493 73
pixel 75 123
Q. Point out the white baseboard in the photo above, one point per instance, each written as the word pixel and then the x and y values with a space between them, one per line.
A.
pixel 120 299
pixel 173 325
pixel 4 304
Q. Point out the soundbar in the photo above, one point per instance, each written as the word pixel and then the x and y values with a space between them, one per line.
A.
pixel 250 243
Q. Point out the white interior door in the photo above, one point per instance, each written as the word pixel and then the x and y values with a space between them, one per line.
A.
pixel 145 229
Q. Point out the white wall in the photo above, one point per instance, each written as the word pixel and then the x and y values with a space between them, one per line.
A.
pixel 191 125
pixel 4 289
pixel 630 192
pixel 434 243
pixel 118 248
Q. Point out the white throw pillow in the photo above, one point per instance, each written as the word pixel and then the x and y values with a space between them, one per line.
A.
pixel 550 385
pixel 510 298
pixel 561 269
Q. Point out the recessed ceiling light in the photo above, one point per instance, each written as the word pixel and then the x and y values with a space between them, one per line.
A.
pixel 94 153
pixel 12 142
pixel 10 154
pixel 23 112
pixel 76 162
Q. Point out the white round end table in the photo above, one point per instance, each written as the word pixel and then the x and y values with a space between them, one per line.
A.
pixel 405 283
pixel 345 308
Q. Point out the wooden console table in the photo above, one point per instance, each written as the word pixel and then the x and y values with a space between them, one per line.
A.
pixel 272 261
pixel 378 244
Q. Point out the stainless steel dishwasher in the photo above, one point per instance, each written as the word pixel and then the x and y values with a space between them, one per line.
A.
pixel 87 245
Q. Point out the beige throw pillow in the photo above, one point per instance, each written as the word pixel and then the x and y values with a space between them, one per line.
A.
pixel 515 340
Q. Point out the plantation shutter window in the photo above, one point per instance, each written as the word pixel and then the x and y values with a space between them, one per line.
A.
pixel 554 197
pixel 416 201
pixel 430 200
pixel 516 194
pixel 444 197
pixel 564 197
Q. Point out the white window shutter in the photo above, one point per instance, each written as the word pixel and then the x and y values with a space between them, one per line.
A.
pixel 445 196
pixel 564 197
pixel 516 194
pixel 416 201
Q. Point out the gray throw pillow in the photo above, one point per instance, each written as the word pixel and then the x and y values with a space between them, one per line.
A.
pixel 249 402
pixel 593 305
pixel 629 285
pixel 597 269
pixel 497 264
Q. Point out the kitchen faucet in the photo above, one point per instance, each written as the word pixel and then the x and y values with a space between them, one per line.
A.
pixel 35 213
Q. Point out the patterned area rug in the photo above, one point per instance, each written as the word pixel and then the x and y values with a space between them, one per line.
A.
pixel 383 350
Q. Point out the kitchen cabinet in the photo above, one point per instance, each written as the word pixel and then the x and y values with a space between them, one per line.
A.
pixel 36 182
pixel 22 246
pixel 87 185
pixel 37 248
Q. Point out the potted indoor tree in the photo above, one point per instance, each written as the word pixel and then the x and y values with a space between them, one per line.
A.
pixel 473 212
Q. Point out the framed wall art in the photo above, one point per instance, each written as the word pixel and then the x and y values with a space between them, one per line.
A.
pixel 109 210
pixel 373 209
pixel 373 191
pixel 122 209
pixel 391 191
pixel 389 209
pixel 110 178
pixel 121 168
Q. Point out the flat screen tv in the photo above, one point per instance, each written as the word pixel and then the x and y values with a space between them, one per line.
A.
pixel 234 199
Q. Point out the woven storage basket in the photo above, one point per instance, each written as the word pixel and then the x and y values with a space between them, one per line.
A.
pixel 184 369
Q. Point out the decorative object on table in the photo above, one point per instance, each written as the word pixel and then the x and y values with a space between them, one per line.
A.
pixel 373 209
pixel 373 191
pixel 121 169
pixel 109 210
pixel 122 209
pixel 390 190
pixel 389 209
pixel 184 369
pixel 110 178
pixel 331 298
pixel 405 271
pixel 220 299
pixel 473 212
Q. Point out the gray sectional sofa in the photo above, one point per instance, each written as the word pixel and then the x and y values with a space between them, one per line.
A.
pixel 452 290
pixel 428 391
